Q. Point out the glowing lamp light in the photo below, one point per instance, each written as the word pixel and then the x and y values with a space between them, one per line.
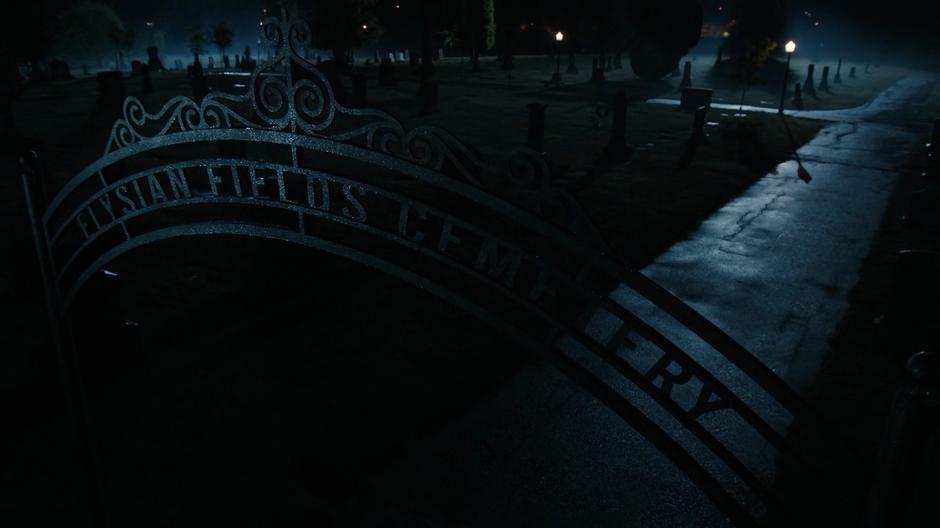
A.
pixel 559 36
pixel 790 47
pixel 726 34
pixel 364 26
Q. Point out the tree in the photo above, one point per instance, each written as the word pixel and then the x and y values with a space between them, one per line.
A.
pixel 222 37
pixel 92 27
pixel 755 29
pixel 489 24
pixel 42 17
pixel 341 26
pixel 197 43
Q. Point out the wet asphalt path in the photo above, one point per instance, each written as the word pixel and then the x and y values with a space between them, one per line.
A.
pixel 773 268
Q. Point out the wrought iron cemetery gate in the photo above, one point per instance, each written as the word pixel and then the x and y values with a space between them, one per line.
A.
pixel 286 161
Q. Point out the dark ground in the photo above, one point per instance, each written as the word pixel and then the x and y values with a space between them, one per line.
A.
pixel 272 383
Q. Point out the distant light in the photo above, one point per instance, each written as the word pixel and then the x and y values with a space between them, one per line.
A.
pixel 397 6
pixel 726 34
pixel 261 23
pixel 364 26
pixel 149 24
pixel 791 47
pixel 816 23
pixel 559 36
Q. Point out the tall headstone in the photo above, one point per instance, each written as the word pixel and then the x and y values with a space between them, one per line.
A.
pixel 387 73
pixel 572 64
pixel 536 131
pixel 226 62
pixel 809 87
pixel 430 96
pixel 838 78
pixel 59 70
pixel 198 81
pixel 698 126
pixel 686 76
pixel 852 72
pixel 360 90
pixel 238 61
pixel 137 68
pixel 146 85
pixel 153 59
pixel 403 57
pixel 798 96
pixel 824 83
pixel 111 92
pixel 617 149
pixel 178 64
pixel 211 62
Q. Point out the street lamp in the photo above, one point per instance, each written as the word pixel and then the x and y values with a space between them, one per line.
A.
pixel 790 48
pixel 559 38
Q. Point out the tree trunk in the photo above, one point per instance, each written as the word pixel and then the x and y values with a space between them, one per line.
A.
pixel 427 66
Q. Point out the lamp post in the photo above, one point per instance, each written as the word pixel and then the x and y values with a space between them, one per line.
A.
pixel 559 38
pixel 790 48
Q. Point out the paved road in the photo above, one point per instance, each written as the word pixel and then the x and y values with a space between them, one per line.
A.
pixel 773 268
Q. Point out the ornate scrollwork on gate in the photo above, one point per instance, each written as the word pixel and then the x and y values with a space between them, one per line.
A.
pixel 290 94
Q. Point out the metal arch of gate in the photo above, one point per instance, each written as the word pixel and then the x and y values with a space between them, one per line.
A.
pixel 520 255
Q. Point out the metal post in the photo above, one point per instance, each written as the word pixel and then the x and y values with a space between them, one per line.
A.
pixel 786 79
pixel 68 367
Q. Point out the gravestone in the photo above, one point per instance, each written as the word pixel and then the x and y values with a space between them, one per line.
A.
pixel 618 61
pixel 440 54
pixel 387 73
pixel 838 78
pixel 430 97
pixel 178 64
pixel 59 70
pixel 798 96
pixel 211 62
pixel 330 70
pixel 809 87
pixel 698 126
pixel 111 91
pixel 536 130
pixel 572 64
pixel 146 86
pixel 360 90
pixel 137 68
pixel 686 76
pixel 153 59
pixel 248 64
pixel 852 73
pixel 198 81
pixel 694 98
pixel 824 83
pixel 402 57
pixel 617 149
pixel 226 62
